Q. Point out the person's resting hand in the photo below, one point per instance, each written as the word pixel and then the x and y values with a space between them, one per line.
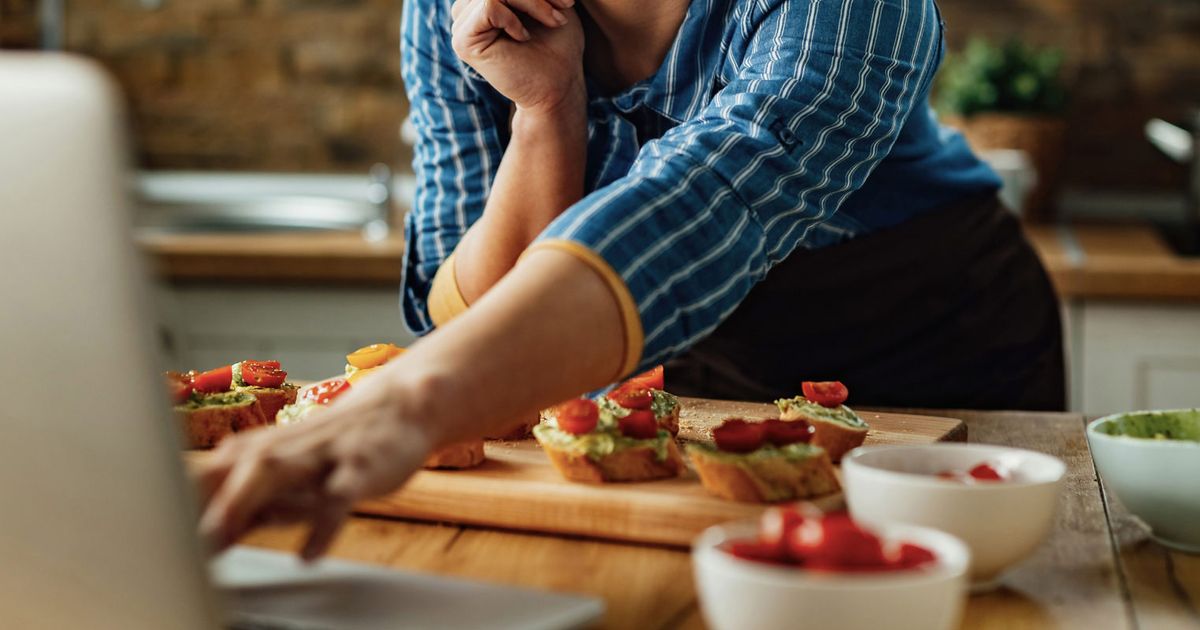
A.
pixel 362 445
pixel 536 63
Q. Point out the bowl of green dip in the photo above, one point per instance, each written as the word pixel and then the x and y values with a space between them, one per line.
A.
pixel 1151 461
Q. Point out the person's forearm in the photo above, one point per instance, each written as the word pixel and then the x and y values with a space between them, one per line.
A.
pixel 550 330
pixel 540 175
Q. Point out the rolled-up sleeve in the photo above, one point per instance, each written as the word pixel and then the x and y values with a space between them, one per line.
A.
pixel 455 158
pixel 822 91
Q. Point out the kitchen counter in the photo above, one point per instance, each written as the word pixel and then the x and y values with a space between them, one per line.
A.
pixel 1115 261
pixel 277 257
pixel 1098 568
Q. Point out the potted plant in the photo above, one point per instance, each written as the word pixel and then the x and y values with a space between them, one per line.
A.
pixel 1009 96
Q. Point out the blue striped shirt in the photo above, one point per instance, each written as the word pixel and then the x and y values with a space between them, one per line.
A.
pixel 771 125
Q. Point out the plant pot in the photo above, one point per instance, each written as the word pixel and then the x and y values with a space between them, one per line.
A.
pixel 1039 136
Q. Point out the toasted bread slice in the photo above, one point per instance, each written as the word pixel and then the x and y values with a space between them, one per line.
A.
pixel 272 399
pixel 206 426
pixel 458 455
pixel 764 479
pixel 639 463
pixel 837 438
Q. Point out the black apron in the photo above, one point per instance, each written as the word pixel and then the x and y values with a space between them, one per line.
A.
pixel 951 309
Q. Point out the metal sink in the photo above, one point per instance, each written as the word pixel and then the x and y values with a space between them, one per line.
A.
pixel 257 215
pixel 200 202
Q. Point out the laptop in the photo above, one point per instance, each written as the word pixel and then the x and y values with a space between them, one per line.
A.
pixel 97 519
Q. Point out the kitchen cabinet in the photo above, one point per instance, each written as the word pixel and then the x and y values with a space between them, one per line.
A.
pixel 1134 355
pixel 308 328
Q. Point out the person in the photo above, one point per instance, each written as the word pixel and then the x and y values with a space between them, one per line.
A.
pixel 754 190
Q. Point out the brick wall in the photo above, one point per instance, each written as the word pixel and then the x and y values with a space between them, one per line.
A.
pixel 18 24
pixel 292 85
pixel 1127 62
pixel 313 85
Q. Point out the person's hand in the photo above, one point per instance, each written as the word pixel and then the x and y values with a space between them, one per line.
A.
pixel 363 445
pixel 535 62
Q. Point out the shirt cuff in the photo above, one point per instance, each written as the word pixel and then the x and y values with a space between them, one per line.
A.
pixel 445 300
pixel 631 321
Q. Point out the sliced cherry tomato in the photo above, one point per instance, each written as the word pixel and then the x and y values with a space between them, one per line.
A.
pixel 639 425
pixel 784 432
pixel 984 472
pixel 651 379
pixel 738 436
pixel 836 543
pixel 755 551
pixel 269 364
pixel 214 381
pixel 825 393
pixel 373 355
pixel 631 395
pixel 912 556
pixel 776 526
pixel 577 416
pixel 179 387
pixel 325 391
pixel 262 373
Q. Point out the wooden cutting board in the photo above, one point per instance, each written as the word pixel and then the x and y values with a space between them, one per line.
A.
pixel 518 488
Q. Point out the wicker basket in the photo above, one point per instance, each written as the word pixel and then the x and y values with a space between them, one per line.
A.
pixel 1041 137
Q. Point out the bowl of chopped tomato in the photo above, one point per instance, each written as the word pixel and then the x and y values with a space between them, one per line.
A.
pixel 797 568
pixel 1001 501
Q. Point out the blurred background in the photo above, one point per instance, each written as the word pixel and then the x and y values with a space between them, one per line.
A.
pixel 273 169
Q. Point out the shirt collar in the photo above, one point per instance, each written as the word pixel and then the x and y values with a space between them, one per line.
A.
pixel 675 91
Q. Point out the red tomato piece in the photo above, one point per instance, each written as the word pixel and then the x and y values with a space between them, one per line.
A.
pixel 755 551
pixel 577 416
pixel 840 545
pixel 262 373
pixel 325 391
pixel 784 432
pixel 738 436
pixel 631 395
pixel 984 472
pixel 179 387
pixel 912 556
pixel 777 524
pixel 639 425
pixel 825 393
pixel 214 381
pixel 651 379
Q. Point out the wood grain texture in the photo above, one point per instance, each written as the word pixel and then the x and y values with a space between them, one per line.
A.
pixel 1071 582
pixel 517 488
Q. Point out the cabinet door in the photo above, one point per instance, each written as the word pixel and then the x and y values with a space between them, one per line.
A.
pixel 1139 356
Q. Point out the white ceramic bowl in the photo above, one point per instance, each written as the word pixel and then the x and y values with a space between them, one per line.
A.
pixel 738 594
pixel 1002 522
pixel 1157 480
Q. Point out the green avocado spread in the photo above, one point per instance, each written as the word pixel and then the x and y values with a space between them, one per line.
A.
pixel 1155 425
pixel 662 404
pixel 791 452
pixel 805 407
pixel 605 439
pixel 222 399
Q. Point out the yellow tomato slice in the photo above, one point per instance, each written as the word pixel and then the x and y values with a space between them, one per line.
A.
pixel 373 355
pixel 354 378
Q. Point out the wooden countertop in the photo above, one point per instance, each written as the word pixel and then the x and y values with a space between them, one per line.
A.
pixel 1116 261
pixel 1098 569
